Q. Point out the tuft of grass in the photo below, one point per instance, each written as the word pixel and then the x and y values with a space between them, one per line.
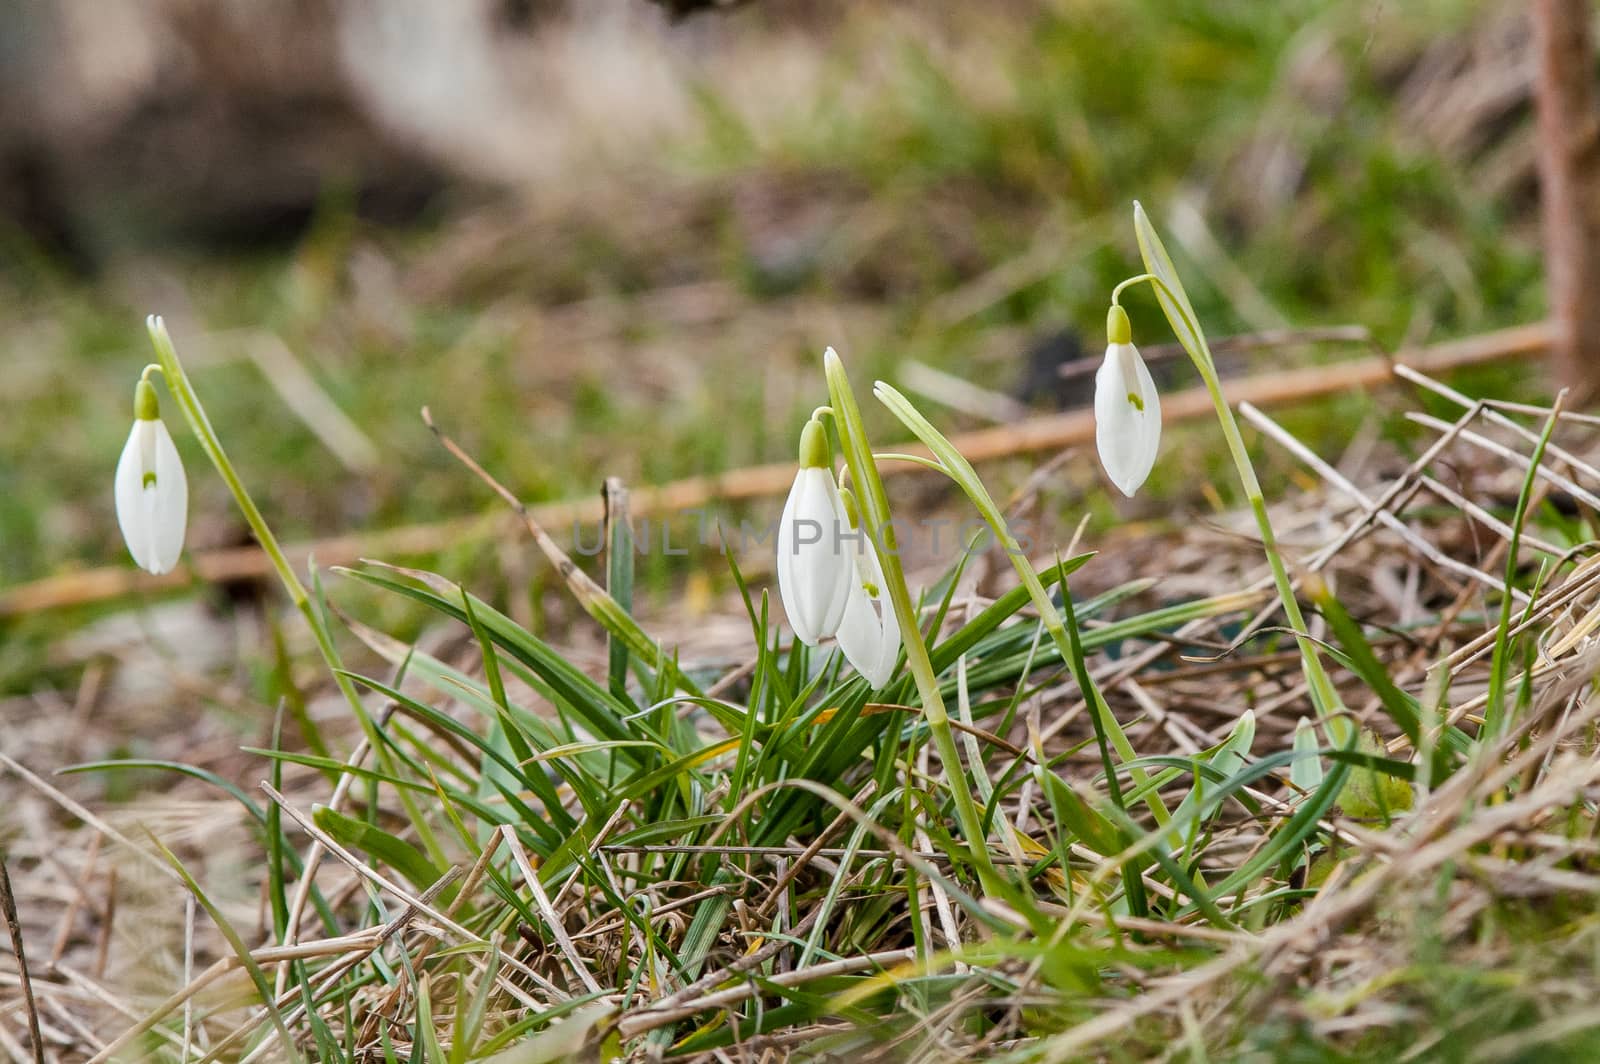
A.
pixel 656 866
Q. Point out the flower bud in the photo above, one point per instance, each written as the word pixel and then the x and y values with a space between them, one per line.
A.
pixel 815 571
pixel 1127 410
pixel 151 491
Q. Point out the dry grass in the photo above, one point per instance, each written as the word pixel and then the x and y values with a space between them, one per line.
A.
pixel 1461 928
pixel 1415 549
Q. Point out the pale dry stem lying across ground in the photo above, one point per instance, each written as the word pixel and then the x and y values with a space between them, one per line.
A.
pixel 1387 934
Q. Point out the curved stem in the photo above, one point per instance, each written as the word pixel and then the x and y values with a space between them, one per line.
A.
pixel 1116 293
pixel 178 385
pixel 1062 635
pixel 1323 695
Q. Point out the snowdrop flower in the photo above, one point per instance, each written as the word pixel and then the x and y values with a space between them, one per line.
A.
pixel 815 572
pixel 152 493
pixel 869 634
pixel 1127 410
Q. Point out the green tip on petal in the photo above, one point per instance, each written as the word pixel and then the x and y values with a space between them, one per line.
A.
pixel 814 452
pixel 851 511
pixel 1118 329
pixel 146 407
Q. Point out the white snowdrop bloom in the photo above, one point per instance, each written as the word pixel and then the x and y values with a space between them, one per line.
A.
pixel 1127 410
pixel 869 634
pixel 815 568
pixel 152 493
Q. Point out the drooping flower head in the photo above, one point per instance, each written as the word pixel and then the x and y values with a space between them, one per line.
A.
pixel 1127 410
pixel 152 494
pixel 869 634
pixel 815 569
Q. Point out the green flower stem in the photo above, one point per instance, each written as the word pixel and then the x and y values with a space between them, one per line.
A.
pixel 878 521
pixel 1116 293
pixel 955 465
pixel 178 384
pixel 1323 695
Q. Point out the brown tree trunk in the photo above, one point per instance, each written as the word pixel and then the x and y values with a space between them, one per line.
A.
pixel 1569 182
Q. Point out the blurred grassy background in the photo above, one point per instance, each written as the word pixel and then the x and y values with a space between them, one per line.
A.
pixel 945 188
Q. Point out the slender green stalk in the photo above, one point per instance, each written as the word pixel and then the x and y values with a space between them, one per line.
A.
pixel 1065 637
pixel 1163 277
pixel 879 524
pixel 1495 716
pixel 241 952
pixel 178 384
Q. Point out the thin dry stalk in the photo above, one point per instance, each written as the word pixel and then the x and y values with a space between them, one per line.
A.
pixel 1385 518
pixel 8 909
pixel 542 902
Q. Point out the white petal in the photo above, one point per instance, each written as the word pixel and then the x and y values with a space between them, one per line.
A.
pixel 815 570
pixel 170 507
pixel 861 637
pixel 152 497
pixel 1114 435
pixel 1127 437
pixel 129 493
pixel 1150 419
pixel 870 633
pixel 888 646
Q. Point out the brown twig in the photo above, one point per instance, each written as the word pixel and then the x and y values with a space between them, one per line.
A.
pixel 1569 185
pixel 108 919
pixel 8 908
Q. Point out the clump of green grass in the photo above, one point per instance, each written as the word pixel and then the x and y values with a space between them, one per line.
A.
pixel 654 861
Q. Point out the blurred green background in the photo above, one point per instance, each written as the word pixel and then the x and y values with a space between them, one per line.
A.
pixel 619 244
